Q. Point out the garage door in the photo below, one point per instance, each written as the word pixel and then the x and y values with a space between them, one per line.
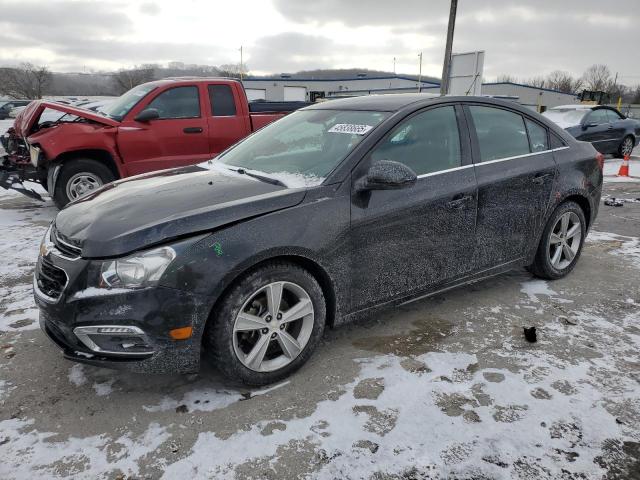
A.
pixel 295 94
pixel 256 94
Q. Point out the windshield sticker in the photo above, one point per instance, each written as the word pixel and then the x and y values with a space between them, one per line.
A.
pixel 350 128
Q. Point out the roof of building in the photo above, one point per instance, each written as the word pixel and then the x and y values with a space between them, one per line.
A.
pixel 341 79
pixel 528 86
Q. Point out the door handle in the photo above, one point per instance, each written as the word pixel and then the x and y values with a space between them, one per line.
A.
pixel 192 130
pixel 540 178
pixel 459 201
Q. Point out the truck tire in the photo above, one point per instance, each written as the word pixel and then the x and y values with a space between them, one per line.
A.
pixel 246 321
pixel 77 177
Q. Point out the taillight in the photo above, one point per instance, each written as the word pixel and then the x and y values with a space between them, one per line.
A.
pixel 600 159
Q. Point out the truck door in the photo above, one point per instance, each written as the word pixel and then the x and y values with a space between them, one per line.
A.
pixel 226 123
pixel 178 137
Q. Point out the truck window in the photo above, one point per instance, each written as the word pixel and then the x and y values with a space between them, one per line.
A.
pixel 178 102
pixel 222 102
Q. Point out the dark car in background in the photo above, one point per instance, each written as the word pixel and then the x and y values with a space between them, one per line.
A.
pixel 332 211
pixel 605 127
pixel 7 105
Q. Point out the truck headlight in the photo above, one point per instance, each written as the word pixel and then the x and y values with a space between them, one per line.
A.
pixel 137 271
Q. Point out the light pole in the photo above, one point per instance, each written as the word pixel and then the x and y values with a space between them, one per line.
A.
pixel 420 73
pixel 444 82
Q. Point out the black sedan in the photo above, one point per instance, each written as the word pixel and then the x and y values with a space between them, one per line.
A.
pixel 335 210
pixel 606 128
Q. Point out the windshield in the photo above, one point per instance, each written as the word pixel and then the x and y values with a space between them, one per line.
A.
pixel 122 105
pixel 566 117
pixel 302 148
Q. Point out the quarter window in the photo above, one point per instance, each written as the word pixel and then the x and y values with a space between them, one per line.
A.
pixel 537 136
pixel 179 102
pixel 427 142
pixel 501 133
pixel 222 102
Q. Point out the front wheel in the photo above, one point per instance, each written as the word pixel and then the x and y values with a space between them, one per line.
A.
pixel 268 325
pixel 561 242
pixel 78 177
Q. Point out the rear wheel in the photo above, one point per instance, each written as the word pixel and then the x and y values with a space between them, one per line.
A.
pixel 626 147
pixel 268 325
pixel 561 242
pixel 78 177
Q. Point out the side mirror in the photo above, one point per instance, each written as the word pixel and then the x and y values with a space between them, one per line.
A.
pixel 589 125
pixel 147 115
pixel 387 175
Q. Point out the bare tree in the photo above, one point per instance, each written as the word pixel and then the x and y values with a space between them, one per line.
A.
pixel 506 78
pixel 25 81
pixel 233 70
pixel 538 82
pixel 125 80
pixel 597 78
pixel 563 82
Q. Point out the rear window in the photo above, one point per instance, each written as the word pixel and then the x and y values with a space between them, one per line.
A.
pixel 501 133
pixel 222 102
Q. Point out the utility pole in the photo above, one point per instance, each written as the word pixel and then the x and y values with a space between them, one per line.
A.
pixel 420 73
pixel 444 83
pixel 241 65
pixel 394 65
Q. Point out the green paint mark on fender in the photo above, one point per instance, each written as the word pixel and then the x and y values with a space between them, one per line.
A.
pixel 217 248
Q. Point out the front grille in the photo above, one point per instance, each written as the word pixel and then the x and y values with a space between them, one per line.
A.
pixel 51 279
pixel 65 248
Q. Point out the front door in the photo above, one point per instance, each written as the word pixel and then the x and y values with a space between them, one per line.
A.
pixel 597 130
pixel 515 171
pixel 179 137
pixel 416 238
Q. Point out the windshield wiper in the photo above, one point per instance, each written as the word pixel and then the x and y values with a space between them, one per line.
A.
pixel 273 181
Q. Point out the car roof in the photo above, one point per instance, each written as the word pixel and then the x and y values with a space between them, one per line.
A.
pixel 394 102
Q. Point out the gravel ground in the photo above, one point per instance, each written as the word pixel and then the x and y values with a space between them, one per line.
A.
pixel 443 388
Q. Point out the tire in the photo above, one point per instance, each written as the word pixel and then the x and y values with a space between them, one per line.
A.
pixel 626 146
pixel 231 344
pixel 74 171
pixel 546 263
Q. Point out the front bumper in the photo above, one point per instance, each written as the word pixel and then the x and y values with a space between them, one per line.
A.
pixel 152 311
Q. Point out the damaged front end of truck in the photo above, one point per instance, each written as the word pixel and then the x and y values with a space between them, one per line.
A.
pixel 40 133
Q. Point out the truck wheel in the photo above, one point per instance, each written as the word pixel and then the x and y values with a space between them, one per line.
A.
pixel 267 326
pixel 78 177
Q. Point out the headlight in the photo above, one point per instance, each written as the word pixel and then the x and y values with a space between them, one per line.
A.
pixel 44 243
pixel 137 271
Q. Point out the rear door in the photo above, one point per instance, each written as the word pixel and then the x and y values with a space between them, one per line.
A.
pixel 226 123
pixel 515 171
pixel 415 238
pixel 598 131
pixel 179 137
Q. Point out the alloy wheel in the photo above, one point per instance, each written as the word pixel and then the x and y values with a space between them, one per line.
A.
pixel 273 326
pixel 627 146
pixel 564 240
pixel 81 184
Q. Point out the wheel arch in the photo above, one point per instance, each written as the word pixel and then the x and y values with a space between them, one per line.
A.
pixel 583 203
pixel 305 262
pixel 100 155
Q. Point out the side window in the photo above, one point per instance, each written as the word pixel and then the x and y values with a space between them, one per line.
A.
pixel 537 136
pixel 557 142
pixel 501 133
pixel 179 102
pixel 598 117
pixel 222 102
pixel 427 142
pixel 612 116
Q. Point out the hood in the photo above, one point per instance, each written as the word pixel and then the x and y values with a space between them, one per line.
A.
pixel 141 211
pixel 27 118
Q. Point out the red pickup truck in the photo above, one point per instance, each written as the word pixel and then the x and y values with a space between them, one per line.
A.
pixel 157 125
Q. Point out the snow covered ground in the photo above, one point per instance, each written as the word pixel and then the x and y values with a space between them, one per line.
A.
pixel 443 388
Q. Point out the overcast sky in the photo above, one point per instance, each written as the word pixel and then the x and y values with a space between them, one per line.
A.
pixel 522 38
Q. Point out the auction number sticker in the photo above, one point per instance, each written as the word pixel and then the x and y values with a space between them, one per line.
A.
pixel 350 128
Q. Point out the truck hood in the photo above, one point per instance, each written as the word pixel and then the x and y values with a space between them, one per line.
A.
pixel 27 118
pixel 150 209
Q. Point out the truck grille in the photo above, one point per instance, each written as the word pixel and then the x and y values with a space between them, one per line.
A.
pixel 51 279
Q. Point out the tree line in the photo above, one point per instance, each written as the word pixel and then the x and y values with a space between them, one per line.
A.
pixel 597 77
